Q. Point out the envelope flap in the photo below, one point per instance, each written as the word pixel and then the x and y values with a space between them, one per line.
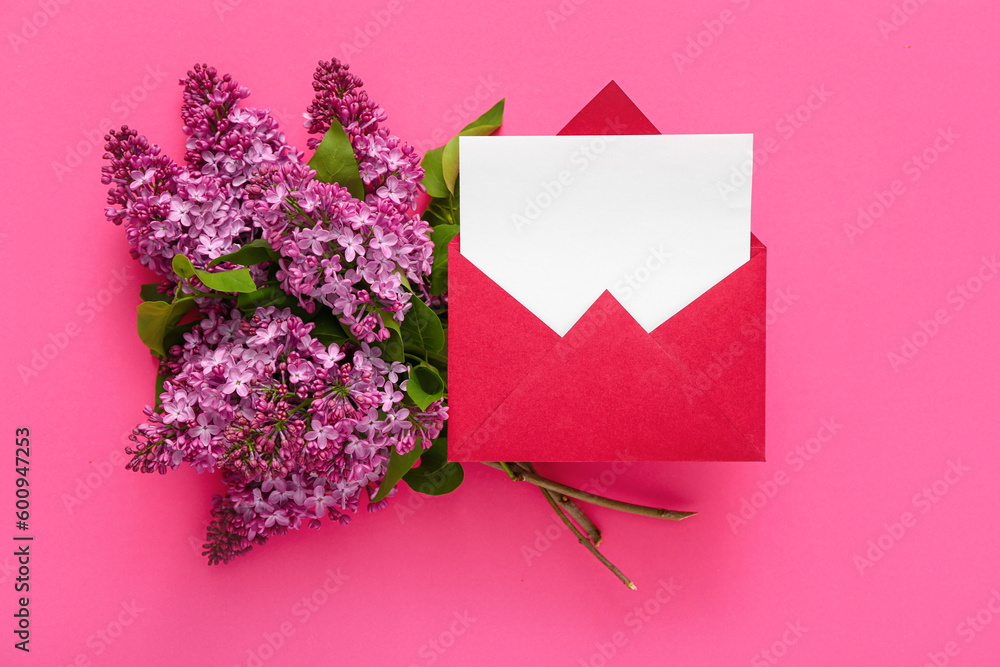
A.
pixel 605 382
pixel 483 322
pixel 610 112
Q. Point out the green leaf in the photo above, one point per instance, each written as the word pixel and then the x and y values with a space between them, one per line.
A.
pixel 155 316
pixel 441 236
pixel 435 458
pixel 175 334
pixel 424 385
pixel 334 161
pixel 404 281
pixel 159 390
pixel 272 295
pixel 392 347
pixel 327 328
pixel 433 177
pixel 485 124
pixel 490 120
pixel 399 464
pixel 422 327
pixel 150 292
pixel 237 280
pixel 437 483
pixel 434 216
pixel 183 267
pixel 252 253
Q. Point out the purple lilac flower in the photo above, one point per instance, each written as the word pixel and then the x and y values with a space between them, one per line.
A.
pixel 296 412
pixel 298 429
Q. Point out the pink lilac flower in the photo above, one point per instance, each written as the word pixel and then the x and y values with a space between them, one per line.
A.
pixel 196 210
pixel 299 430
pixel 295 412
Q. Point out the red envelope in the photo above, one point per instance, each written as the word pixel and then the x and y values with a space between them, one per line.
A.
pixel 690 390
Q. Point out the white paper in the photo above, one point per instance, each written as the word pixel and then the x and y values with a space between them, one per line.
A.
pixel 655 219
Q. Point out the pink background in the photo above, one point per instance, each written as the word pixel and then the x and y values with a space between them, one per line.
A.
pixel 471 578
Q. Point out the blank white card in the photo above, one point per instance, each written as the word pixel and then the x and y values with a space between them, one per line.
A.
pixel 655 219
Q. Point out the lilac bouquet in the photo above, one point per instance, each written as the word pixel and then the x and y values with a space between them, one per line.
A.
pixel 289 375
pixel 300 318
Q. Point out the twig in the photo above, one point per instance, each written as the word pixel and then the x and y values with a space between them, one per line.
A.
pixel 582 520
pixel 523 475
pixel 569 507
pixel 583 539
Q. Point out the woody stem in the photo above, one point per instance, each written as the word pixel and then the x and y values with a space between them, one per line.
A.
pixel 549 496
pixel 572 510
pixel 521 474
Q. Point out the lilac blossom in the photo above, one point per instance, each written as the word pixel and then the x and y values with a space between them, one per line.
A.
pixel 299 429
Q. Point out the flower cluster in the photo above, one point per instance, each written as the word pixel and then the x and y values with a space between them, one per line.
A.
pixel 299 428
pixel 198 210
pixel 303 423
pixel 353 256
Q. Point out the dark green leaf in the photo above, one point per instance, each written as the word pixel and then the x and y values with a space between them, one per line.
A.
pixel 334 161
pixel 485 124
pixel 439 279
pixel 150 292
pixel 433 177
pixel 422 327
pixel 441 236
pixel 392 347
pixel 437 483
pixel 434 216
pixel 272 295
pixel 424 385
pixel 327 328
pixel 399 464
pixel 175 334
pixel 237 280
pixel 159 390
pixel 435 458
pixel 252 253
